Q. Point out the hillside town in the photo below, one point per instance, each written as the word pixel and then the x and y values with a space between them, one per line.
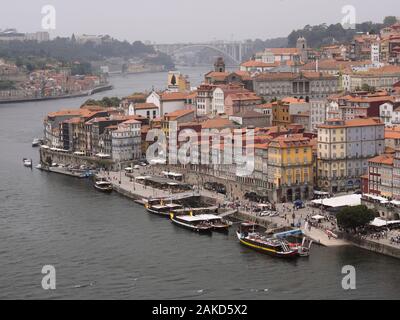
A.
pixel 326 126
pixel 53 81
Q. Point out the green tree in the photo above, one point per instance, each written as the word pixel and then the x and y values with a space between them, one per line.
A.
pixel 354 217
pixel 390 20
pixel 366 87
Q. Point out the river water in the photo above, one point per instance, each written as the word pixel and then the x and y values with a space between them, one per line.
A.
pixel 105 246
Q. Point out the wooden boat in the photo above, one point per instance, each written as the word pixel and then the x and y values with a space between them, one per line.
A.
pixel 103 186
pixel 262 243
pixel 193 223
pixel 161 209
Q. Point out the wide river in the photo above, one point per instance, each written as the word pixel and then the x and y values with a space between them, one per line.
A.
pixel 106 246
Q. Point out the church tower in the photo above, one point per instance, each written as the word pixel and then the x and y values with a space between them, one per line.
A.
pixel 302 48
pixel 219 65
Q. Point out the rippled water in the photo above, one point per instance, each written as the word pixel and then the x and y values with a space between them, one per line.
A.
pixel 105 246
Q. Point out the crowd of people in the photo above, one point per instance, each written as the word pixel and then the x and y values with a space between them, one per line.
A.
pixel 395 240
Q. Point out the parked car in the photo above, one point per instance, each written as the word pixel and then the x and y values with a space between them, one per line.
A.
pixel 299 204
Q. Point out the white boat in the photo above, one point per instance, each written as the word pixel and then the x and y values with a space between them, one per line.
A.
pixel 27 162
pixel 103 186
pixel 36 142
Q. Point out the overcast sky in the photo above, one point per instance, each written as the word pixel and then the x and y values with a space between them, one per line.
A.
pixel 166 21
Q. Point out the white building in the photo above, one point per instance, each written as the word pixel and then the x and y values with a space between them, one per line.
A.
pixel 218 101
pixel 375 53
pixel 389 113
pixel 146 110
pixel 204 99
pixel 318 110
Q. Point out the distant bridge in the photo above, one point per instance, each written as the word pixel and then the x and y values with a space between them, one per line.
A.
pixel 236 51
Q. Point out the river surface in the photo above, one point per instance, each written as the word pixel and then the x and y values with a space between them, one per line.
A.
pixel 107 247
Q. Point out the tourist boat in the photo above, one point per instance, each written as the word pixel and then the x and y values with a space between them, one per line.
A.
pixel 27 162
pixel 103 186
pixel 161 209
pixel 260 242
pixel 195 223
pixel 36 142
pixel 216 222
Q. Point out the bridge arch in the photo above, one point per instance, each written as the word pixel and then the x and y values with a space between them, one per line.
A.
pixel 209 47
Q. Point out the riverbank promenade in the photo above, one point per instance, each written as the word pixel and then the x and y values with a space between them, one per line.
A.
pixel 127 185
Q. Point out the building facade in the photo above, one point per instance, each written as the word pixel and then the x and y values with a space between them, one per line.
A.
pixel 344 148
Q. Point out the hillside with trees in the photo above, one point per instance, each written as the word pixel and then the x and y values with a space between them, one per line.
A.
pixel 324 34
pixel 35 55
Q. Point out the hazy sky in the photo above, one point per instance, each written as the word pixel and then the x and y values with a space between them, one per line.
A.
pixel 166 21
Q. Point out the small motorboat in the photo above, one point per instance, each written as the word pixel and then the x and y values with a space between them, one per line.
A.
pixel 304 249
pixel 27 162
pixel 103 186
pixel 36 142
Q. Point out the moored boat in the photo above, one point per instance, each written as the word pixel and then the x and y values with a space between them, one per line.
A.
pixel 262 243
pixel 161 209
pixel 193 223
pixel 103 186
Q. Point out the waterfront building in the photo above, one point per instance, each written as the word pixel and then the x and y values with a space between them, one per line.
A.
pixel 95 131
pixel 380 175
pixel 396 174
pixel 126 141
pixel 290 168
pixel 344 148
pixel 58 132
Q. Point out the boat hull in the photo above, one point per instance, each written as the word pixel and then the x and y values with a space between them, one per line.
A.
pixel 158 213
pixel 103 190
pixel 285 255
pixel 221 229
pixel 191 227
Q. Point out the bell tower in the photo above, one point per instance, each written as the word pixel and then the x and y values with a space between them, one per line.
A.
pixel 302 48
pixel 219 65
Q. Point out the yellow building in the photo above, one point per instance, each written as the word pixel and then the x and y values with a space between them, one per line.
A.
pixel 290 168
pixel 178 82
